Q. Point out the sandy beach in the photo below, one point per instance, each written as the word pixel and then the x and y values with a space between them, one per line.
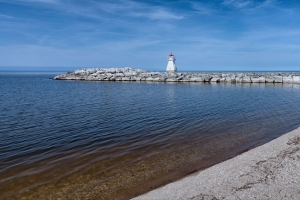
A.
pixel 270 171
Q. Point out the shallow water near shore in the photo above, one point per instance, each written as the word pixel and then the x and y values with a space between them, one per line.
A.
pixel 115 140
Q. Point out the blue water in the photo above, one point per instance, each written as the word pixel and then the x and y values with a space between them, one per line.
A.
pixel 45 122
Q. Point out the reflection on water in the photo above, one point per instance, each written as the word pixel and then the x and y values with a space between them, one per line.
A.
pixel 114 139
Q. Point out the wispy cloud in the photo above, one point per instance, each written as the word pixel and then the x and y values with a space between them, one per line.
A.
pixel 201 8
pixel 31 1
pixel 248 4
pixel 97 9
pixel 238 3
pixel 137 9
pixel 44 1
pixel 6 16
pixel 266 3
pixel 157 14
pixel 88 33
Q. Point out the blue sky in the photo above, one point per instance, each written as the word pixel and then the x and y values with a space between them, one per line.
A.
pixel 220 35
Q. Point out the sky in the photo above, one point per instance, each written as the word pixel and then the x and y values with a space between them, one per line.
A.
pixel 207 35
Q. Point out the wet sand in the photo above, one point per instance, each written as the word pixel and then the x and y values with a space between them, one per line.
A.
pixel 271 171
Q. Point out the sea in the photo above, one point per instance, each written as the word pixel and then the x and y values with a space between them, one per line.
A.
pixel 117 140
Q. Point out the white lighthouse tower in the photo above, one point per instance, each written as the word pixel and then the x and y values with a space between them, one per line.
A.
pixel 171 67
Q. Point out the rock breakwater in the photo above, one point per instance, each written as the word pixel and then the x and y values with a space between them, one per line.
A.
pixel 129 74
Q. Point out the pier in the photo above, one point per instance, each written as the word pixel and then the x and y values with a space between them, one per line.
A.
pixel 129 74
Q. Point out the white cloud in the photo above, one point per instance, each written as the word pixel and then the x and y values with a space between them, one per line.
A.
pixel 267 3
pixel 99 9
pixel 6 16
pixel 31 1
pixel 238 3
pixel 135 9
pixel 201 8
pixel 45 1
pixel 133 31
pixel 248 4
pixel 157 14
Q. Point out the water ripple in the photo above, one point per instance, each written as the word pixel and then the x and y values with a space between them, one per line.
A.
pixel 45 122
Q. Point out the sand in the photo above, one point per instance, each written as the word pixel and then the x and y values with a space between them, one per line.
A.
pixel 270 171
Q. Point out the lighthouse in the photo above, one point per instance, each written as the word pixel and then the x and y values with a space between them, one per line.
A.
pixel 171 67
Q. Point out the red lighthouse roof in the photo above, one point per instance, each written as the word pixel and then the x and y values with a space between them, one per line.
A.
pixel 171 54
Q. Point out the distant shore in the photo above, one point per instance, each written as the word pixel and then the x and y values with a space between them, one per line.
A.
pixel 129 74
pixel 271 171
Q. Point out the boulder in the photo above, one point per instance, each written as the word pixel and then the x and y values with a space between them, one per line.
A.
pixel 149 79
pixel 112 78
pixel 130 74
pixel 100 78
pixel 144 74
pixel 277 79
pixel 255 80
pixel 206 79
pixel 180 78
pixel 171 80
pixel 140 71
pixel 94 74
pixel 127 69
pixel 119 75
pixel 79 72
pixel 125 78
pixel 172 75
pixel 138 78
pixel 246 79
pixel 262 79
pixel 238 79
pixel 230 79
pixel 296 79
pixel 58 77
pixel 240 75
pixel 215 76
pixel 215 80
pixel 185 79
pixel 154 73
pixel 223 79
pixel 156 79
pixel 90 78
pixel 270 80
pixel 197 79
pixel 108 76
pixel 162 79
pixel 111 70
pixel 287 79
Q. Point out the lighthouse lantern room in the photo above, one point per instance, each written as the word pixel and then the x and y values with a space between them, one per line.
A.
pixel 171 67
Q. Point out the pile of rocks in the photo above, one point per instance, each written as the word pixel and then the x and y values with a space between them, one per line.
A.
pixel 129 74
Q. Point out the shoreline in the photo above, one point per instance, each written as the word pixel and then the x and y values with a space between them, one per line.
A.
pixel 270 171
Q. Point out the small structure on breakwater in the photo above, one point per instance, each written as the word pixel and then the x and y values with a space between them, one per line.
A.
pixel 171 67
pixel 129 74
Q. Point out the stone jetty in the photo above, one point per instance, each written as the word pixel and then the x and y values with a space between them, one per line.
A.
pixel 129 74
